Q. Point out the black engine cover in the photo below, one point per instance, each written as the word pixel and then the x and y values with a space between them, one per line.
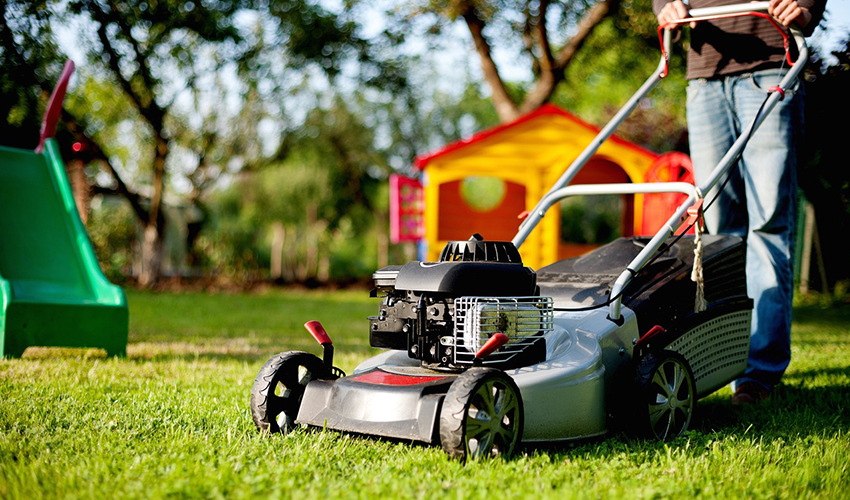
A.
pixel 457 279
pixel 417 299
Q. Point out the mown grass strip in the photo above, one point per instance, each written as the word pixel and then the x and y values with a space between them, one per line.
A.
pixel 171 420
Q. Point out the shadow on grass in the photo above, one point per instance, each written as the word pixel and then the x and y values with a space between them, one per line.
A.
pixel 249 350
pixel 807 375
pixel 792 413
pixel 835 316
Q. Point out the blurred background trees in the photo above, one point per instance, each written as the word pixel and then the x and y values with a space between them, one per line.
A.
pixel 252 139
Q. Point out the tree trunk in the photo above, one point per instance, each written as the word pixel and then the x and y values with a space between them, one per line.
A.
pixel 311 257
pixel 324 273
pixel 505 106
pixel 155 224
pixel 151 248
pixel 551 66
pixel 276 271
pixel 80 188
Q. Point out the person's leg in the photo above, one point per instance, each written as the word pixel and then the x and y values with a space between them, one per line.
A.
pixel 711 132
pixel 769 173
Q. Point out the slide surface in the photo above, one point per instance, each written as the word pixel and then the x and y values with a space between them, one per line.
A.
pixel 52 291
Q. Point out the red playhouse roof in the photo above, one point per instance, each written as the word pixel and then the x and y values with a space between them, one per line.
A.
pixel 422 161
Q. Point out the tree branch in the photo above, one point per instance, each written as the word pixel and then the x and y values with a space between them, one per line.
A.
pixel 589 21
pixel 542 37
pixel 506 108
pixel 547 81
pixel 146 105
pixel 95 153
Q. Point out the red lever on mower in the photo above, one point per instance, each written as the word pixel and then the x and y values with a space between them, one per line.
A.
pixel 495 342
pixel 318 332
pixel 655 330
pixel 695 216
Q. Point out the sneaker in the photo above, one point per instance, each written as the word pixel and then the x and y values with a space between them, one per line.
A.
pixel 749 393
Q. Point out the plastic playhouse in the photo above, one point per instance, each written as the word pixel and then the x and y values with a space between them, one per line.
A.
pixel 527 156
pixel 52 291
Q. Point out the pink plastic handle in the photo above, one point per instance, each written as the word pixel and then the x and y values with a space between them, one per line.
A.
pixel 318 332
pixel 495 342
pixel 54 106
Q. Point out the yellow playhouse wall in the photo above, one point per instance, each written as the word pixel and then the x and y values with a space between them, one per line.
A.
pixel 534 154
pixel 541 246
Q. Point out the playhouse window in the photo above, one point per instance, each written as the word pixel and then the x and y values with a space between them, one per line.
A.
pixel 483 193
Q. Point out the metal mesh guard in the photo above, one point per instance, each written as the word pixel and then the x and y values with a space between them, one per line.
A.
pixel 522 319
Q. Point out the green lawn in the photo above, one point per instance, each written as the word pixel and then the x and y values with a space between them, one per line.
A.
pixel 172 420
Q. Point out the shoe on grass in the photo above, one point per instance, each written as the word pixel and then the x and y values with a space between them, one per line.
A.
pixel 748 393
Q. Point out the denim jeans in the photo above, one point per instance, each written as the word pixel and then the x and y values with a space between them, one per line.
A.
pixel 759 202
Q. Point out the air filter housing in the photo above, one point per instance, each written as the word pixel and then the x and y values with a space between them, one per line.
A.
pixel 477 250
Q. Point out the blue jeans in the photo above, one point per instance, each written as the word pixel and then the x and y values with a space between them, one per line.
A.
pixel 759 202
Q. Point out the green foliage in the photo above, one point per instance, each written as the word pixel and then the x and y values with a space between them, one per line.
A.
pixel 615 61
pixel 191 92
pixel 172 420
pixel 31 63
pixel 509 21
pixel 591 219
pixel 112 228
pixel 435 110
pixel 113 122
pixel 824 176
pixel 228 240
pixel 336 143
pixel 322 193
pixel 316 35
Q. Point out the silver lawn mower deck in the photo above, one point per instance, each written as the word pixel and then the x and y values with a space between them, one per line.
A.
pixel 484 353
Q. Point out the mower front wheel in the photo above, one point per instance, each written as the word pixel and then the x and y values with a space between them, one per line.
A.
pixel 482 415
pixel 278 389
pixel 665 397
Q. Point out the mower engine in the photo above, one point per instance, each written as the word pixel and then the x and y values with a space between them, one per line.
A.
pixel 443 312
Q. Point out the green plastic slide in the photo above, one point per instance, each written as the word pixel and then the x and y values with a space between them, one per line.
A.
pixel 52 291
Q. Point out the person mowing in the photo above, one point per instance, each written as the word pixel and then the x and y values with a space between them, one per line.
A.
pixel 732 65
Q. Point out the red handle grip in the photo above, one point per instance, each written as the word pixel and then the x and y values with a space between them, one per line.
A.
pixel 318 332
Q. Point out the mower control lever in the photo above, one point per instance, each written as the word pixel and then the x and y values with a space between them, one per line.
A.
pixel 491 346
pixel 318 332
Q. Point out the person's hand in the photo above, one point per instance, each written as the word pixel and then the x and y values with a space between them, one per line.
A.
pixel 789 11
pixel 673 11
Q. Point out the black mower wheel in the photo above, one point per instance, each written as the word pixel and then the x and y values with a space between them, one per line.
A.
pixel 278 389
pixel 482 415
pixel 665 396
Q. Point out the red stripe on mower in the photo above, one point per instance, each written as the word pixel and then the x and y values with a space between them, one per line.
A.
pixel 383 378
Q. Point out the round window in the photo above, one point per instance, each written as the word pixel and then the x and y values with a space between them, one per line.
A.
pixel 483 194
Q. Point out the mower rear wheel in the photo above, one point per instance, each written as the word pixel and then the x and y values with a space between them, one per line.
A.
pixel 278 389
pixel 666 395
pixel 482 415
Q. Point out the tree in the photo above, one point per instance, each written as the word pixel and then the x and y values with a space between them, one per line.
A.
pixel 31 63
pixel 540 27
pixel 823 175
pixel 617 58
pixel 147 50
pixel 322 191
pixel 178 67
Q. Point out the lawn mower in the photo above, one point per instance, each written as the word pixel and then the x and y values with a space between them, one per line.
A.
pixel 484 353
